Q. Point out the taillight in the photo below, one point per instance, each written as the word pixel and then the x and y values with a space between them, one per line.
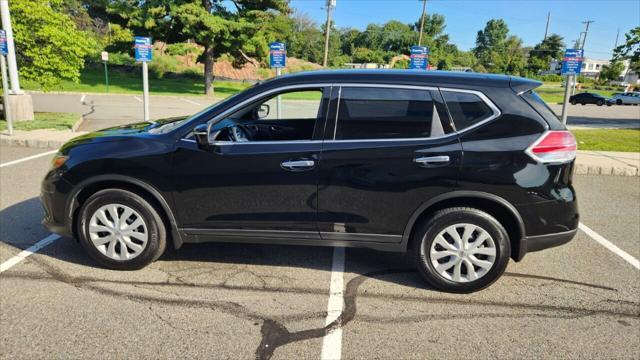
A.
pixel 554 147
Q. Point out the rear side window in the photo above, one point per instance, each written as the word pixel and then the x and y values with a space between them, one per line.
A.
pixel 533 99
pixel 466 109
pixel 384 113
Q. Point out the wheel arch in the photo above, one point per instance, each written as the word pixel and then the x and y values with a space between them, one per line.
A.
pixel 85 189
pixel 496 206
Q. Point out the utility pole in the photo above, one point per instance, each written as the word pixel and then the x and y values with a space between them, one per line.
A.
pixel 546 28
pixel 586 30
pixel 11 55
pixel 424 10
pixel 327 30
pixel 617 34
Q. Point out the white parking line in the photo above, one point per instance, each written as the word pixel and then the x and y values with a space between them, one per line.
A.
pixel 189 101
pixel 137 98
pixel 25 253
pixel 28 158
pixel 610 246
pixel 332 342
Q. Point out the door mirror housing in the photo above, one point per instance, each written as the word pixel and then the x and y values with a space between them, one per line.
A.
pixel 201 134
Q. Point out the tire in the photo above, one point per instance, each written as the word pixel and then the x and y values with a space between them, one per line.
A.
pixel 483 224
pixel 573 102
pixel 583 104
pixel 148 234
pixel 618 102
pixel 600 103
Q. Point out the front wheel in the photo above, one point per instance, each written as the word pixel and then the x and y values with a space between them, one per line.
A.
pixel 573 102
pixel 461 250
pixel 600 103
pixel 121 230
pixel 618 102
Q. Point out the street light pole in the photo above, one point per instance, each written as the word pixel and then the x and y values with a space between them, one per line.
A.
pixel 11 49
pixel 424 10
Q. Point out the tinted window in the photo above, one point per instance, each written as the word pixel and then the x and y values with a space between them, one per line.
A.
pixel 539 105
pixel 466 109
pixel 384 113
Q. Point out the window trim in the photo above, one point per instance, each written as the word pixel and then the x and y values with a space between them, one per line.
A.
pixel 496 112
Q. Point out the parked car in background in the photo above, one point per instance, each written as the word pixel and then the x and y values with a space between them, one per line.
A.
pixel 589 98
pixel 461 170
pixel 630 98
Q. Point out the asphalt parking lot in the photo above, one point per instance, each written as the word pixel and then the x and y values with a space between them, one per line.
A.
pixel 581 300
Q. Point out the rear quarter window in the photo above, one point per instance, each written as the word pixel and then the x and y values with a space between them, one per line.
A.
pixel 466 109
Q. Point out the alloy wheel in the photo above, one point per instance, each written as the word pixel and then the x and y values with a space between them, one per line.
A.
pixel 462 253
pixel 118 232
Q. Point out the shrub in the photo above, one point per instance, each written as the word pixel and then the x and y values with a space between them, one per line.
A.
pixel 162 65
pixel 121 59
pixel 182 49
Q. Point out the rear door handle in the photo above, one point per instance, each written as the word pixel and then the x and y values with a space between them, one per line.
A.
pixel 432 161
pixel 298 165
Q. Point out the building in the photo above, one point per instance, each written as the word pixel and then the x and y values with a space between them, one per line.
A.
pixel 591 68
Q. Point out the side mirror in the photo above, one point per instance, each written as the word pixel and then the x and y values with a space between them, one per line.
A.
pixel 201 134
pixel 262 111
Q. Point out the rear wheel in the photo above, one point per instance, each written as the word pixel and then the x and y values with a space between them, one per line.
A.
pixel 618 102
pixel 600 102
pixel 121 230
pixel 573 102
pixel 461 250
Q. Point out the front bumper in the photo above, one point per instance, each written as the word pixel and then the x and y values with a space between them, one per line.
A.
pixel 53 197
pixel 541 242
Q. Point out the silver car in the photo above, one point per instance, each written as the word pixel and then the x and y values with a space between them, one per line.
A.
pixel 629 98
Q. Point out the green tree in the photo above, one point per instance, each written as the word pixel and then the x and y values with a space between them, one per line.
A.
pixel 49 46
pixel 496 51
pixel 541 55
pixel 210 23
pixel 630 50
pixel 612 71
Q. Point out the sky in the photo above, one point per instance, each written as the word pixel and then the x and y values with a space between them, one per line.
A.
pixel 525 18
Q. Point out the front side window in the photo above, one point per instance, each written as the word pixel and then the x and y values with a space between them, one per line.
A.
pixel 286 116
pixel 466 109
pixel 384 113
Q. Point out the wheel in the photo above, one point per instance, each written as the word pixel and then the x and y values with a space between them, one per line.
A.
pixel 573 102
pixel 618 102
pixel 583 104
pixel 609 104
pixel 600 103
pixel 461 250
pixel 121 230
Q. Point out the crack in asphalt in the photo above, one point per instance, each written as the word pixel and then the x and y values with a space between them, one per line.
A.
pixel 274 334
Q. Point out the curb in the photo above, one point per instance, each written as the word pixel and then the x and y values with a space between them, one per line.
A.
pixel 32 143
pixel 582 169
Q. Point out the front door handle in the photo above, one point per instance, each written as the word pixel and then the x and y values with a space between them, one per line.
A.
pixel 432 161
pixel 298 165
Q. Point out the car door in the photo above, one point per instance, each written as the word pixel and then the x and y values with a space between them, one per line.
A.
pixel 259 187
pixel 387 150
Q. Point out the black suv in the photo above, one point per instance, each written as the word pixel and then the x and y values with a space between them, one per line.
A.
pixel 462 171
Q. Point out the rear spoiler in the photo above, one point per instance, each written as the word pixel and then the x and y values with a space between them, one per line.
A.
pixel 521 85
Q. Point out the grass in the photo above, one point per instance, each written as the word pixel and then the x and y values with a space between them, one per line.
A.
pixel 608 139
pixel 45 120
pixel 555 94
pixel 120 82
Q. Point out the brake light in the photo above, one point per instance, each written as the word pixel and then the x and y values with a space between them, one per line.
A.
pixel 554 147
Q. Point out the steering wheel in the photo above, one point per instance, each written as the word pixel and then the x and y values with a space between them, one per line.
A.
pixel 239 134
